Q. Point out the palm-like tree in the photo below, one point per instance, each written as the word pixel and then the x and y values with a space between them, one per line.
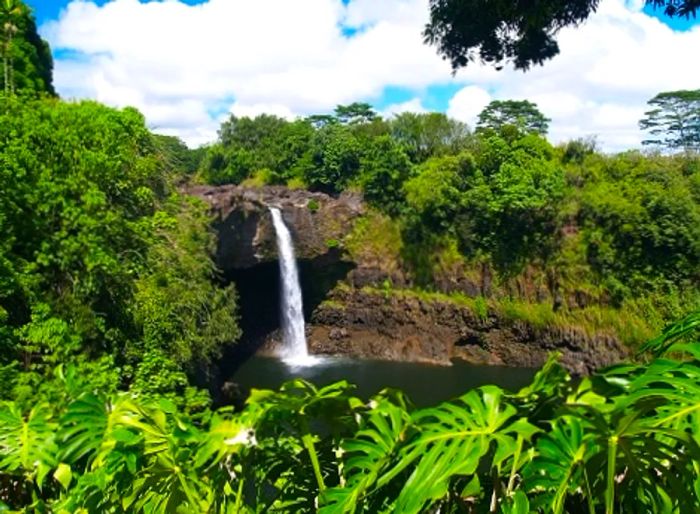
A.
pixel 10 11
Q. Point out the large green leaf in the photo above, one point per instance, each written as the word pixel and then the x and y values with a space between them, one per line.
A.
pixel 450 442
pixel 27 442
pixel 559 466
pixel 369 453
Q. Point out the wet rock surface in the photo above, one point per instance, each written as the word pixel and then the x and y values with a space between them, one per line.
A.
pixel 244 225
pixel 394 327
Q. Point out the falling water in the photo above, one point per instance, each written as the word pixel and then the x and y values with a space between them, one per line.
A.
pixel 294 339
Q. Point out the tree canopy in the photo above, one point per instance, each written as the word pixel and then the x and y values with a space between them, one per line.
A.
pixel 102 262
pixel 496 32
pixel 521 114
pixel 27 65
pixel 674 121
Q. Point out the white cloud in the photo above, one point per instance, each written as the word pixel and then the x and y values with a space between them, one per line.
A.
pixel 607 69
pixel 173 60
pixel 413 105
pixel 362 13
pixel 467 103
pixel 280 110
pixel 184 66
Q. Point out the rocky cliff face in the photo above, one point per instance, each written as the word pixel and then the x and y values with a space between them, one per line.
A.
pixel 396 326
pixel 246 234
pixel 346 312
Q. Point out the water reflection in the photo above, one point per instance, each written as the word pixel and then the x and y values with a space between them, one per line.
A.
pixel 424 384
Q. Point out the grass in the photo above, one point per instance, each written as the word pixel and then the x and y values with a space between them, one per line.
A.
pixel 375 240
pixel 332 304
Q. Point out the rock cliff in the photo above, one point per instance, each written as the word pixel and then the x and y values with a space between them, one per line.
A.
pixel 346 311
pixel 246 235
pixel 400 326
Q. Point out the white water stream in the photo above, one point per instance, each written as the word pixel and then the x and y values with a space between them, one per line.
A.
pixel 294 351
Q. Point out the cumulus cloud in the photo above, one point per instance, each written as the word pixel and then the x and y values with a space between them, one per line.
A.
pixel 413 105
pixel 467 103
pixel 176 61
pixel 607 69
pixel 186 66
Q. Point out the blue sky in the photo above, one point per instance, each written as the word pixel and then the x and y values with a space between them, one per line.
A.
pixel 49 9
pixel 187 67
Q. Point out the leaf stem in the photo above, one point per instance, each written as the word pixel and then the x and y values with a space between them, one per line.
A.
pixel 514 467
pixel 610 488
pixel 308 440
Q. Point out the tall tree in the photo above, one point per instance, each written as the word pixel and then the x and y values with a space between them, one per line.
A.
pixel 356 112
pixel 425 135
pixel 26 58
pixel 674 120
pixel 521 114
pixel 10 11
pixel 499 31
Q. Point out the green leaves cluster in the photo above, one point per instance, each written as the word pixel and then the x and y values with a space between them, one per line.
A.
pixel 102 263
pixel 624 440
pixel 500 32
pixel 500 202
pixel 354 147
pixel 27 65
pixel 608 229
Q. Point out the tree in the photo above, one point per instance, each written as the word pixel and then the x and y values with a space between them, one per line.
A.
pixel 356 112
pixel 26 58
pixel 11 10
pixel 334 159
pixel 100 257
pixel 250 133
pixel 385 168
pixel 496 32
pixel 521 114
pixel 434 194
pixel 675 120
pixel 427 135
pixel 176 156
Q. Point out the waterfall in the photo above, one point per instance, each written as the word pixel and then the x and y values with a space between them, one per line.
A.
pixel 294 338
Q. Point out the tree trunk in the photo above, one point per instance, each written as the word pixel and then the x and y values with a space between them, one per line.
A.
pixel 6 76
pixel 6 82
pixel 12 71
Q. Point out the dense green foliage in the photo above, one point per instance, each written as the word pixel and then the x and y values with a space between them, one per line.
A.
pixel 497 32
pixel 109 305
pixel 521 114
pixel 617 230
pixel 27 64
pixel 102 263
pixel 625 440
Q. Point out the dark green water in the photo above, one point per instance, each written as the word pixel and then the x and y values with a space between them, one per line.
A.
pixel 424 384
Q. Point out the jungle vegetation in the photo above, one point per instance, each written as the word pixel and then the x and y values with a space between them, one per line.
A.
pixel 624 440
pixel 614 230
pixel 110 304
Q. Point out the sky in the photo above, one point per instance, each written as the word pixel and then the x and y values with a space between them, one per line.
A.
pixel 188 64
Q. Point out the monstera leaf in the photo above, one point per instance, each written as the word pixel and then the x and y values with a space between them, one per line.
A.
pixel 27 442
pixel 671 339
pixel 451 441
pixel 369 453
pixel 93 425
pixel 559 466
